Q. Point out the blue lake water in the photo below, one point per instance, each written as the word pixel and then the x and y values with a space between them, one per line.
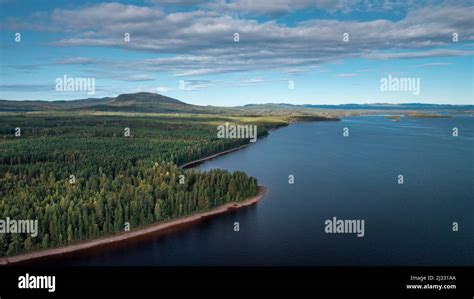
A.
pixel 354 177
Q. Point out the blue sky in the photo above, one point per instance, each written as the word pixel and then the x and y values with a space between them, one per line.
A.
pixel 186 49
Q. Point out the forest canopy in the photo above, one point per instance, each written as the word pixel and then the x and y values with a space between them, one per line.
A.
pixel 82 177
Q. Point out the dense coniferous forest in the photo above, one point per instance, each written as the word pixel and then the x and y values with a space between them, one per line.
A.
pixel 81 176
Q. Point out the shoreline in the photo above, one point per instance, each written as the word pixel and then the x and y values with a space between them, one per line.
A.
pixel 199 161
pixel 135 234
pixel 151 229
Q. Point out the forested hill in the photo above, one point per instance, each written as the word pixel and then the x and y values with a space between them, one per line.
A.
pixel 134 102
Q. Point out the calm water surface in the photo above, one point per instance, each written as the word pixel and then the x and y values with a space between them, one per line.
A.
pixel 351 177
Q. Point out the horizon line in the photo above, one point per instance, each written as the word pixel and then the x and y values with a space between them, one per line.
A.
pixel 247 104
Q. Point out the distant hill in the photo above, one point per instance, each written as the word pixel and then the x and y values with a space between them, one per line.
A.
pixel 142 102
pixel 275 106
pixel 146 102
pixel 385 106
pixel 133 102
pixel 374 106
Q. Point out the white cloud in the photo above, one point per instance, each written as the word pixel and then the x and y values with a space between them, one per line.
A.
pixel 200 42
pixel 162 89
pixel 347 75
pixel 432 64
pixel 418 54
pixel 77 60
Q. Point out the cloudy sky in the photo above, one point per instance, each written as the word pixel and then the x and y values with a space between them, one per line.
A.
pixel 237 52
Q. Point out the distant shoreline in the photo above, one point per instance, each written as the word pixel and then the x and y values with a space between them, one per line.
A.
pixel 135 234
pixel 199 161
